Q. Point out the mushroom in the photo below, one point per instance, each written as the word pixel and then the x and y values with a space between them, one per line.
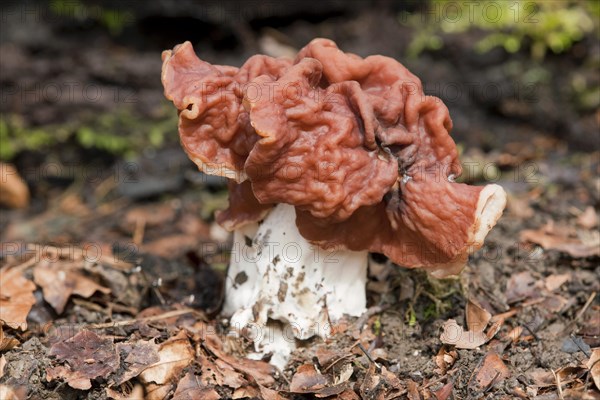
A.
pixel 330 156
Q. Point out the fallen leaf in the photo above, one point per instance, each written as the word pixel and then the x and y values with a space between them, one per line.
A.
pixel 14 192
pixel 541 377
pixel 344 375
pixel 444 359
pixel 245 392
pixel 7 343
pixel 6 393
pixel 190 388
pixel 16 298
pixel 477 317
pixel 554 282
pixel 326 356
pixel 554 238
pixel 455 335
pixel 444 392
pixel 59 281
pixel 593 365
pixel 307 380
pixel 380 384
pixel 413 390
pixel 588 219
pixel 492 371
pixel 158 392
pixel 136 357
pixel 348 395
pixel 2 365
pixel 174 355
pixel 87 357
pixel 522 286
pixel 137 393
pixel 261 371
pixel 269 394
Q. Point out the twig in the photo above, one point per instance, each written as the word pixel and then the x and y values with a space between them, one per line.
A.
pixel 170 314
pixel 582 311
pixel 585 307
pixel 558 385
pixel 337 361
pixel 574 340
pixel 360 346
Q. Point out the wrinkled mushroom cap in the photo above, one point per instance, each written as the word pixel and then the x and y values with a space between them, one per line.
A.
pixel 354 144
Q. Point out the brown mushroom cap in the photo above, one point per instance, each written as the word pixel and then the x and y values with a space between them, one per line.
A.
pixel 354 144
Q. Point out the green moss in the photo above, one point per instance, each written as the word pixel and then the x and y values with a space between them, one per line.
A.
pixel 542 25
pixel 122 133
pixel 114 20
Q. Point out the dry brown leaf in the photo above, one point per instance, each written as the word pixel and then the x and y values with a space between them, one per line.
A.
pixel 7 343
pixel 380 384
pixel 444 392
pixel 261 371
pixel 492 371
pixel 522 286
pixel 87 357
pixel 477 317
pixel 307 380
pixel 348 395
pixel 190 388
pixel 2 365
pixel 245 393
pixel 269 394
pixel 413 390
pixel 223 373
pixel 174 355
pixel 555 281
pixel 137 393
pixel 455 335
pixel 554 238
pixel 7 393
pixel 444 359
pixel 59 281
pixel 137 357
pixel 16 298
pixel 588 219
pixel 158 392
pixel 593 365
pixel 14 192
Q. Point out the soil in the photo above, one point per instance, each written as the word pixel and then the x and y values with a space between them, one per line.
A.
pixel 154 212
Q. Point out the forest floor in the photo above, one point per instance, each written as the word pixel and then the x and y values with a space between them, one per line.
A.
pixel 113 275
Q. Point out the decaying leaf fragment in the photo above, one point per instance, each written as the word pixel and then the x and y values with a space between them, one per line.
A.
pixel 191 388
pixel 593 365
pixel 86 356
pixel 492 371
pixel 60 281
pixel 137 357
pixel 16 298
pixel 477 321
pixel 174 355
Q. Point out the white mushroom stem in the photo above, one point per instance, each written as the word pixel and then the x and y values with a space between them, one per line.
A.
pixel 281 288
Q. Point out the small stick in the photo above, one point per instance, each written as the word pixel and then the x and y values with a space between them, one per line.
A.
pixel 170 314
pixel 582 311
pixel 585 307
pixel 558 385
pixel 360 346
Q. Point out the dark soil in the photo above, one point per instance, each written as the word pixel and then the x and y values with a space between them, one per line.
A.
pixel 541 147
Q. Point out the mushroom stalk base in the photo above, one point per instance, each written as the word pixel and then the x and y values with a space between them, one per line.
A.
pixel 281 288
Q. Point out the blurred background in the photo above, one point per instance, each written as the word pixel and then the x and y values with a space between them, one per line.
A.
pixel 86 134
